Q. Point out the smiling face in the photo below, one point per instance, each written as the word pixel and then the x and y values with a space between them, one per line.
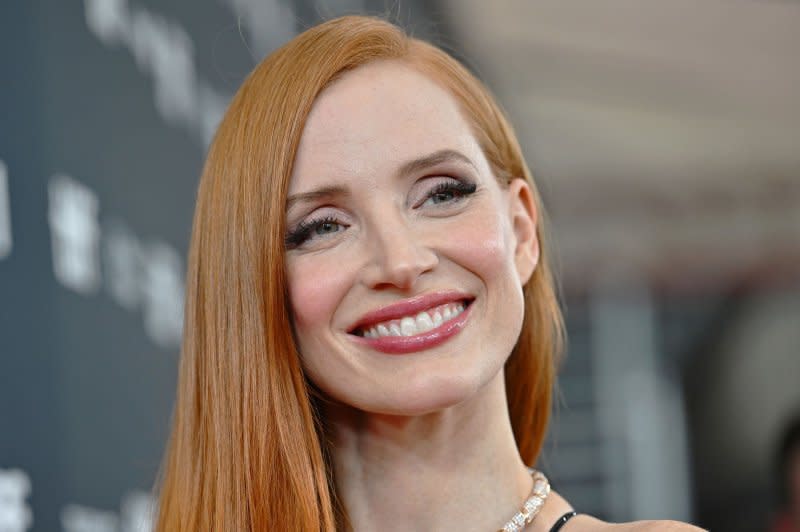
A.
pixel 405 257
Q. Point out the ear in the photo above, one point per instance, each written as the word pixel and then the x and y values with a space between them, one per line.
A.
pixel 522 210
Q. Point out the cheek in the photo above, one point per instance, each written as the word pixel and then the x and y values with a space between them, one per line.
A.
pixel 480 242
pixel 315 289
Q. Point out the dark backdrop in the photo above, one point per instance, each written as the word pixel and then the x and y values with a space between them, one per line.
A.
pixel 106 107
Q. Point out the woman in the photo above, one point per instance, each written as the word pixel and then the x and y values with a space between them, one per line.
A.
pixel 371 327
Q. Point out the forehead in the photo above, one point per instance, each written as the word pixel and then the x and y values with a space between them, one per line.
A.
pixel 373 119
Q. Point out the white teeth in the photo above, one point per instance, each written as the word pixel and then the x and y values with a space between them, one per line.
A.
pixel 412 326
pixel 408 326
pixel 424 322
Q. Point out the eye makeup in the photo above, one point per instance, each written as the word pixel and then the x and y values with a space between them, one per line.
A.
pixel 307 229
pixel 446 191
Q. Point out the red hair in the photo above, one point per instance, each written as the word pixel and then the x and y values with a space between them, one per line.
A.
pixel 246 451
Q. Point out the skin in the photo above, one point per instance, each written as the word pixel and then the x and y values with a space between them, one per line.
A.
pixel 421 441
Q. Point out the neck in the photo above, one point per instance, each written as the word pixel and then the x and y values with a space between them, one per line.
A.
pixel 455 469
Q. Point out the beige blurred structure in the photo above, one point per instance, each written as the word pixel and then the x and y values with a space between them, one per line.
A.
pixel 665 134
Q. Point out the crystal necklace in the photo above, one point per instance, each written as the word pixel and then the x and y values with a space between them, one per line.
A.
pixel 532 505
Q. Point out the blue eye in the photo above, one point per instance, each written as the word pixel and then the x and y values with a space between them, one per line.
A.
pixel 326 227
pixel 309 230
pixel 449 191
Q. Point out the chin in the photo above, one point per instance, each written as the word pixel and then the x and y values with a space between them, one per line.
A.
pixel 427 395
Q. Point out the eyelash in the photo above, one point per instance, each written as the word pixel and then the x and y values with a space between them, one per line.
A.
pixel 459 189
pixel 300 234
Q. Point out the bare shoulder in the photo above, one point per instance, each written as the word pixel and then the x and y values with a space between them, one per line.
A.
pixel 589 523
pixel 665 526
pixel 586 523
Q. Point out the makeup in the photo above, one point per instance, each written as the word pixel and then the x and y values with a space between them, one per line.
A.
pixel 415 324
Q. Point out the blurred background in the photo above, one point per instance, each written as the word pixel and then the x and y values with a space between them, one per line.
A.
pixel 664 136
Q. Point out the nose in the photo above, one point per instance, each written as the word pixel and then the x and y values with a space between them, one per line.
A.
pixel 397 255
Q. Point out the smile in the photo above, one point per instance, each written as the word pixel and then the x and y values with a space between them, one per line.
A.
pixel 415 324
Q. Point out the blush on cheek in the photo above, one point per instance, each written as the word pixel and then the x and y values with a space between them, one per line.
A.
pixel 480 244
pixel 315 289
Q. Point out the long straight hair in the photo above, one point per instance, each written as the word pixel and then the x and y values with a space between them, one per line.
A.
pixel 247 450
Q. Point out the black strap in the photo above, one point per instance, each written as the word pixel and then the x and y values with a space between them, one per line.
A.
pixel 563 519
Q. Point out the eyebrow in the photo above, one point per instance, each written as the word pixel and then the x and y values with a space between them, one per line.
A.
pixel 317 194
pixel 410 167
pixel 438 157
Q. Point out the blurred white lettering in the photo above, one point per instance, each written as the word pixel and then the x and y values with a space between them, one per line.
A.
pixel 147 276
pixel 122 264
pixel 138 276
pixel 77 518
pixel 15 515
pixel 163 295
pixel 211 108
pixel 136 516
pixel 137 512
pixel 165 51
pixel 5 214
pixel 106 19
pixel 72 215
pixel 270 23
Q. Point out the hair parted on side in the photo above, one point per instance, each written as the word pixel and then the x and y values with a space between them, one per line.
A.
pixel 246 451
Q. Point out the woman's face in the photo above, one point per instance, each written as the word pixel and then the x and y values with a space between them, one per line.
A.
pixel 405 257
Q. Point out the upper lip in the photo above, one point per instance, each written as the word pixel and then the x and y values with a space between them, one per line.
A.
pixel 409 307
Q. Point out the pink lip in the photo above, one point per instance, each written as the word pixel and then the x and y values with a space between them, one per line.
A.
pixel 419 342
pixel 409 307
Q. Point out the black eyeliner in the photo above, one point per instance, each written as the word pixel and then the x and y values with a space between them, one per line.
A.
pixel 461 187
pixel 458 188
pixel 297 236
pixel 302 232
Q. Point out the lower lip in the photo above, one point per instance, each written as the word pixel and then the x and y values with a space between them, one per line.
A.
pixel 400 345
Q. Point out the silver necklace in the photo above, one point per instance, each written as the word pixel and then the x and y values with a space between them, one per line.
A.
pixel 532 505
